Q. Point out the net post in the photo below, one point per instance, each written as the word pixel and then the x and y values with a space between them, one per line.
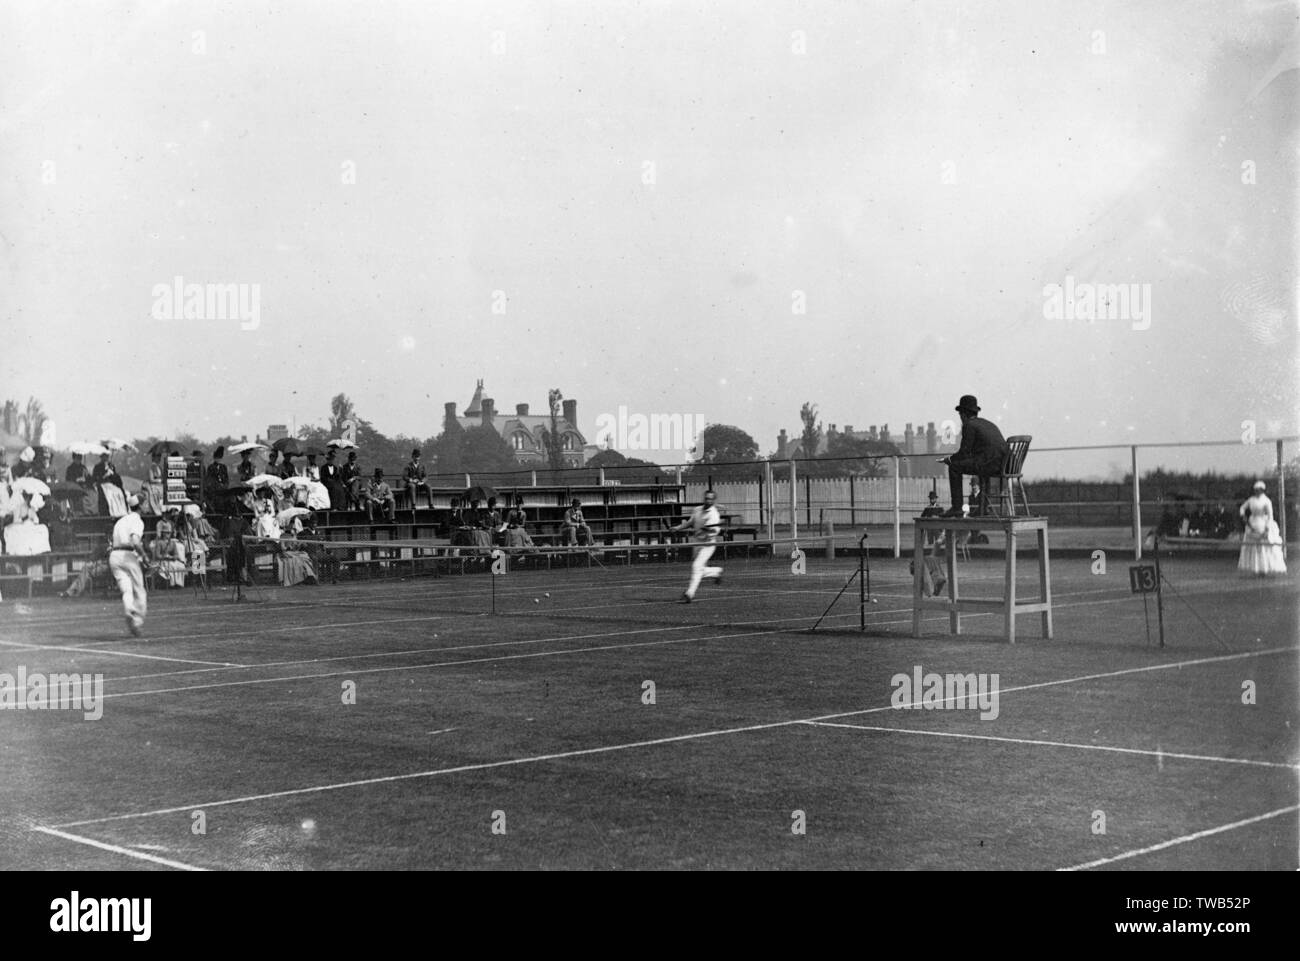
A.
pixel 1137 508
pixel 1160 597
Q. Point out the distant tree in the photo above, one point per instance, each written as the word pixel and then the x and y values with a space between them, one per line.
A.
pixel 812 430
pixel 485 451
pixel 552 440
pixel 342 410
pixel 725 451
pixel 28 424
pixel 840 445
pixel 628 470
pixel 447 447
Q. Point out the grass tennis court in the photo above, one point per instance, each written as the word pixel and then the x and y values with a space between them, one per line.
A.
pixel 231 718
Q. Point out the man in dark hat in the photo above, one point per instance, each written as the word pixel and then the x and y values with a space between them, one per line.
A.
pixel 413 480
pixel 77 473
pixel 215 481
pixel 982 451
pixel 332 477
pixel 353 483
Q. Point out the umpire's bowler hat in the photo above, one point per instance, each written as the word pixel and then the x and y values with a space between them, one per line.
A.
pixel 968 403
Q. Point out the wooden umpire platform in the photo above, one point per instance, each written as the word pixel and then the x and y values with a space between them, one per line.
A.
pixel 1009 604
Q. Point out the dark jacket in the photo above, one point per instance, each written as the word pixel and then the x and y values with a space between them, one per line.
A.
pixel 982 446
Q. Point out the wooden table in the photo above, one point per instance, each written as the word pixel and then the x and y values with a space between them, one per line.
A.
pixel 1008 604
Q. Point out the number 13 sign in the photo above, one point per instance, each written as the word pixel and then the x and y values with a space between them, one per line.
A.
pixel 1142 578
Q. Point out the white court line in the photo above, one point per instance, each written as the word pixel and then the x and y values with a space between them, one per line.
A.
pixel 1179 665
pixel 100 650
pixel 1082 747
pixel 1182 840
pixel 117 850
pixel 435 664
pixel 487 765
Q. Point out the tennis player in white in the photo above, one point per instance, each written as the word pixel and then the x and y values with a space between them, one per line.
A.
pixel 127 562
pixel 706 523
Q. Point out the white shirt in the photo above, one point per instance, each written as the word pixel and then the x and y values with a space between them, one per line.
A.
pixel 706 522
pixel 131 523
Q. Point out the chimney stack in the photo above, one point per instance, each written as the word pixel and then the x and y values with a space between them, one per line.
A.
pixel 450 410
pixel 571 413
pixel 931 439
pixel 908 437
pixel 489 411
pixel 781 440
pixel 884 433
pixel 848 429
pixel 875 434
pixel 521 410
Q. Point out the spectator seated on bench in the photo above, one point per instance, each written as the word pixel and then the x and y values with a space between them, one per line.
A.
pixel 381 497
pixel 575 527
pixel 94 571
pixel 413 481
pixel 516 527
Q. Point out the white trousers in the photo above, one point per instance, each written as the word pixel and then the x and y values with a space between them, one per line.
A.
pixel 129 576
pixel 699 568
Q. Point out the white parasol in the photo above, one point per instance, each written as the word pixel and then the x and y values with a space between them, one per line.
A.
pixel 31 485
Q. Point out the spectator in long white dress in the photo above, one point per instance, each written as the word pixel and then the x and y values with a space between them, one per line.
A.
pixel 1261 544
pixel 26 535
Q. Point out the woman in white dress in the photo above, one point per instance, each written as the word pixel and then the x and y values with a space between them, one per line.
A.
pixel 1261 544
pixel 26 535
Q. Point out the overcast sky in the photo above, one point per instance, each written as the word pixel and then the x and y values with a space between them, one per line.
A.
pixel 912 174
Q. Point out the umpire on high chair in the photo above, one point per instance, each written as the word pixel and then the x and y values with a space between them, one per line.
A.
pixel 982 452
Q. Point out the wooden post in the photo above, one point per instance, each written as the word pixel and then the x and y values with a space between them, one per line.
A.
pixel 853 513
pixel 1281 496
pixel 898 516
pixel 794 502
pixel 771 511
pixel 534 477
pixel 1137 509
pixel 807 498
pixel 602 477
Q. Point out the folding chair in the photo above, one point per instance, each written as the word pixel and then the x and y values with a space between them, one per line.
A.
pixel 1008 479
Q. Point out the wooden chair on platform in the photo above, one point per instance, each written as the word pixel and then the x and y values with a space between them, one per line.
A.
pixel 1010 478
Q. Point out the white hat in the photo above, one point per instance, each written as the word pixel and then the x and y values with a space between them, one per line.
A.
pixel 132 500
pixel 1259 486
pixel 27 456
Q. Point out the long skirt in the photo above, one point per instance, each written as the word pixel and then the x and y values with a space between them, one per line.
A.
pixel 1261 554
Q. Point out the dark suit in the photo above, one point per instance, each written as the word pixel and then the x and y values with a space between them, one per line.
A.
pixel 982 451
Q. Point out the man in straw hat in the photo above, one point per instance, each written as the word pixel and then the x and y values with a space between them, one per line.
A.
pixel 982 451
